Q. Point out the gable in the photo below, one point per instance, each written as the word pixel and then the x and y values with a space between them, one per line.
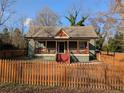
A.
pixel 61 34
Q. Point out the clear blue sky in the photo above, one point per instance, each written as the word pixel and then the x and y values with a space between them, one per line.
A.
pixel 30 8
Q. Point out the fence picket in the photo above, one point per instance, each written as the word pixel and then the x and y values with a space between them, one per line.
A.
pixel 2 74
pixel 37 73
pixel 0 70
pixel 8 68
pixel 12 69
pixel 40 74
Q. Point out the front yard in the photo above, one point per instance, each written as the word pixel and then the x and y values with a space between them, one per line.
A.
pixel 15 88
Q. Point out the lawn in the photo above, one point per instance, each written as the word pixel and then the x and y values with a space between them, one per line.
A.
pixel 15 88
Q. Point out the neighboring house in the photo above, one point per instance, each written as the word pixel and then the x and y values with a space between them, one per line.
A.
pixel 63 44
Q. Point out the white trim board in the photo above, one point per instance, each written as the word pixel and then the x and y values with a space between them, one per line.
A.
pixel 55 54
pixel 80 54
pixel 45 54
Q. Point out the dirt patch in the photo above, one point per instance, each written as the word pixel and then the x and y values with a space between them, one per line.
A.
pixel 13 88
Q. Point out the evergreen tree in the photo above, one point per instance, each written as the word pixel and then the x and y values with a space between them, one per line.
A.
pixel 116 43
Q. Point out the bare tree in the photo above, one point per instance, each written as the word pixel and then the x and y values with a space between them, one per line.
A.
pixel 106 25
pixel 21 24
pixel 118 7
pixel 18 39
pixel 5 10
pixel 46 17
pixel 18 33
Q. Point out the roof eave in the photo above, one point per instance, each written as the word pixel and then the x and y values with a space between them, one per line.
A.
pixel 63 38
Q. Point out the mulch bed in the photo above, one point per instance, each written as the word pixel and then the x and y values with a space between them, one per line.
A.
pixel 14 88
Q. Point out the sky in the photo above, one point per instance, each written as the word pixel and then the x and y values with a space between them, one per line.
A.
pixel 29 8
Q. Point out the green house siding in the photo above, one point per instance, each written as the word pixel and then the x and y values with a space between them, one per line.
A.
pixel 49 58
pixel 73 58
pixel 83 58
pixel 79 58
pixel 46 57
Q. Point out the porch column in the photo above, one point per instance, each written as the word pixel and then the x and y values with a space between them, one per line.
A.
pixel 46 45
pixel 56 47
pixel 68 51
pixel 77 46
pixel 88 46
pixel 68 46
pixel 31 48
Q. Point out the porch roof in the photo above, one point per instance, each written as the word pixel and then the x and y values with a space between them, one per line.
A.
pixel 72 32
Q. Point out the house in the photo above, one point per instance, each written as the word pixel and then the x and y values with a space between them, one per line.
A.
pixel 63 44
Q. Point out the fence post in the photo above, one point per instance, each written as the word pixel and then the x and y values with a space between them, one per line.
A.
pixel 99 56
pixel 0 69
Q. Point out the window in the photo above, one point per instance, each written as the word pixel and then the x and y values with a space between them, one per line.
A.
pixel 40 47
pixel 51 47
pixel 82 44
pixel 73 46
pixel 40 44
pixel 51 44
pixel 83 47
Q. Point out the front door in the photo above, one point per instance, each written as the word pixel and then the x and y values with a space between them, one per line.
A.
pixel 62 55
pixel 61 47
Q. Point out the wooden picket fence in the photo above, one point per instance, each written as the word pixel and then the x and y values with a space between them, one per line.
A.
pixel 117 59
pixel 81 75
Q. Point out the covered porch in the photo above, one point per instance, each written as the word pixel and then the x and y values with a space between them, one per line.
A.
pixel 62 50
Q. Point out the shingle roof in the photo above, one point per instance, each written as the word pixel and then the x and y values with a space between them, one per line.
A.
pixel 73 31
